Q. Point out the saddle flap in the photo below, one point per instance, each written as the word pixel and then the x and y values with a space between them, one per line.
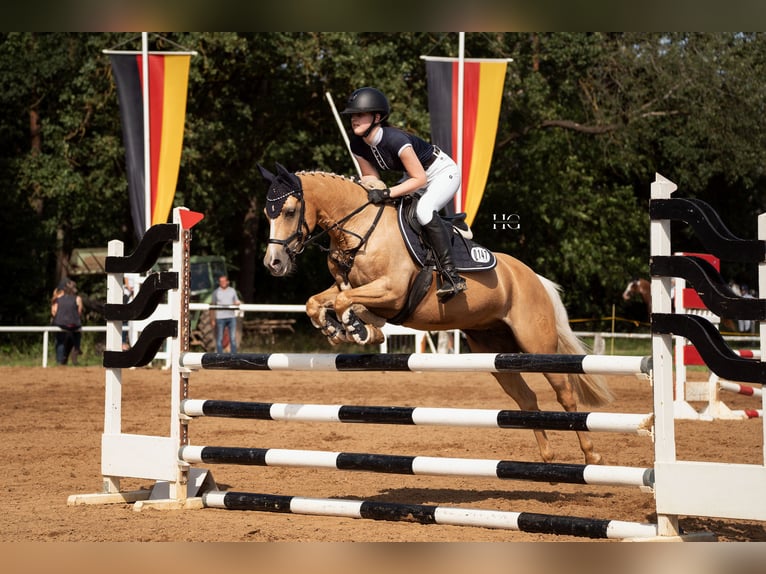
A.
pixel 466 253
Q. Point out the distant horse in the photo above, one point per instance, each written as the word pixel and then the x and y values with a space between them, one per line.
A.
pixel 506 309
pixel 640 287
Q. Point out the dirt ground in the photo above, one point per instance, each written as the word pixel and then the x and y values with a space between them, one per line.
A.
pixel 51 422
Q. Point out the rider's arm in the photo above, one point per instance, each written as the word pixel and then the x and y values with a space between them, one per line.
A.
pixel 369 171
pixel 417 175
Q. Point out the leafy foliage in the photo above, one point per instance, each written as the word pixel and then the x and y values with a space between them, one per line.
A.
pixel 586 121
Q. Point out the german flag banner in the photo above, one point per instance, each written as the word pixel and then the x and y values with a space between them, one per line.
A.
pixel 168 84
pixel 483 82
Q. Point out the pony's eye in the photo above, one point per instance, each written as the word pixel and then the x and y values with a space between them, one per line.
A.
pixel 290 212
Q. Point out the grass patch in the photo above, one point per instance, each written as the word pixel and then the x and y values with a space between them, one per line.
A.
pixel 25 349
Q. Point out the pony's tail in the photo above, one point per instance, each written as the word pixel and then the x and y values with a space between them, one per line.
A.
pixel 591 389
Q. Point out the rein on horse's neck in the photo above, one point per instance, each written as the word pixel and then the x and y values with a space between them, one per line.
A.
pixel 337 203
pixel 343 207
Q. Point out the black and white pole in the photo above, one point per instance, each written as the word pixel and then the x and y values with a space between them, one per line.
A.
pixel 470 362
pixel 428 514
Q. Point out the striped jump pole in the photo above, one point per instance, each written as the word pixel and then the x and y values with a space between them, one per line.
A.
pixel 717 409
pixel 639 424
pixel 740 389
pixel 423 465
pixel 748 353
pixel 428 514
pixel 469 362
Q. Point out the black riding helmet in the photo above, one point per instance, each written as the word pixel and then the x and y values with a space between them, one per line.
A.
pixel 368 100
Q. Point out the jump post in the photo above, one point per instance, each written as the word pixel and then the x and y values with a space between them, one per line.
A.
pixel 687 300
pixel 680 488
pixel 694 488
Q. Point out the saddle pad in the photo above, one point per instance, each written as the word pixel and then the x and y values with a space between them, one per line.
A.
pixel 466 253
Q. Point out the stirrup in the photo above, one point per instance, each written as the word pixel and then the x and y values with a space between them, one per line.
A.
pixel 450 284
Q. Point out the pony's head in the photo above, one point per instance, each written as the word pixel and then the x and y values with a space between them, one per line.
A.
pixel 281 187
pixel 288 229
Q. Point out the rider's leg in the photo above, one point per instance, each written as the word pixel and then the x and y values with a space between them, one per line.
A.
pixel 438 236
pixel 443 182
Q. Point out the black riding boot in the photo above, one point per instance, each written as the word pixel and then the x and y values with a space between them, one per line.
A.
pixel 439 239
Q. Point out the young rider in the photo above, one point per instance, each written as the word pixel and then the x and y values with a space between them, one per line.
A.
pixel 380 147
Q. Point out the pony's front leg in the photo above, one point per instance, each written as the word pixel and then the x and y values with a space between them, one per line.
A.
pixel 351 305
pixel 320 309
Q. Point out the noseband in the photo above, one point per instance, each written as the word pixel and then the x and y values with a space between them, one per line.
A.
pixel 274 208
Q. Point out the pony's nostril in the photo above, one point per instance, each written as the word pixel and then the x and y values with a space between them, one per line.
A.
pixel 276 265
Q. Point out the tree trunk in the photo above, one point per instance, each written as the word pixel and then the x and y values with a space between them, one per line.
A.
pixel 249 251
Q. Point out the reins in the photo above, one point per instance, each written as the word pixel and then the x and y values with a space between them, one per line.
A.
pixel 345 257
pixel 363 239
pixel 346 263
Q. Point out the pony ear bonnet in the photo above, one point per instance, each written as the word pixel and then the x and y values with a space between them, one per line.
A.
pixel 282 170
pixel 267 175
pixel 283 185
pixel 287 176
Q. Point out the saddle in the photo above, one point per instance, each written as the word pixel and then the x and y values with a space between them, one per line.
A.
pixel 467 255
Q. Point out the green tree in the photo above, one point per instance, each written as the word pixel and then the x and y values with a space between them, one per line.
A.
pixel 586 121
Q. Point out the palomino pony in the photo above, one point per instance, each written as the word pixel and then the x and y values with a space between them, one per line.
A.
pixel 505 309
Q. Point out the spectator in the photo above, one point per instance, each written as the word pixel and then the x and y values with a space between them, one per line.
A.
pixel 223 318
pixel 744 325
pixel 66 310
pixel 128 292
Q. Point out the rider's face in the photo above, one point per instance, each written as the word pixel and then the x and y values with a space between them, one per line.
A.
pixel 361 122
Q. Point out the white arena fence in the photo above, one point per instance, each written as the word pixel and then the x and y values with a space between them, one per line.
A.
pixel 419 337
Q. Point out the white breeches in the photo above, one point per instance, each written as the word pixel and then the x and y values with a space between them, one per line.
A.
pixel 443 181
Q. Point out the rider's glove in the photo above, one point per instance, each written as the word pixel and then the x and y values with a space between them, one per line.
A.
pixel 378 195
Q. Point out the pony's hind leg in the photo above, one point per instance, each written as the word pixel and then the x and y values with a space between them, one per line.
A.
pixel 516 387
pixel 566 397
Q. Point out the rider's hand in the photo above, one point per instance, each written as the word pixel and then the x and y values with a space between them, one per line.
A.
pixel 378 195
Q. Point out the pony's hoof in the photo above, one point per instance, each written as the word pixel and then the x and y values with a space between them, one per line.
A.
pixel 336 339
pixel 594 458
pixel 332 328
pixel 355 328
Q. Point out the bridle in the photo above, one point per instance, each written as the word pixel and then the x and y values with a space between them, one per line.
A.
pixel 298 234
pixel 303 240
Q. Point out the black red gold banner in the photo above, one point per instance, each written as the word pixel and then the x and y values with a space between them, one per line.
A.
pixel 168 83
pixel 483 82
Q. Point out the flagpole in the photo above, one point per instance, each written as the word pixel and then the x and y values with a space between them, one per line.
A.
pixel 459 155
pixel 147 138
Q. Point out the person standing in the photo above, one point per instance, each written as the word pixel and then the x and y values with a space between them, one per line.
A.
pixel 224 294
pixel 66 311
pixel 128 292
pixel 745 325
pixel 427 170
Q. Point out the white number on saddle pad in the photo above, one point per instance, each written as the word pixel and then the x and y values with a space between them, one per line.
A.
pixel 480 254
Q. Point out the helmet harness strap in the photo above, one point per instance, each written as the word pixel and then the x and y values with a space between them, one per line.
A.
pixel 374 124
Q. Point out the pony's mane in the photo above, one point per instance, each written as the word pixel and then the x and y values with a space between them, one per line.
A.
pixel 325 174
